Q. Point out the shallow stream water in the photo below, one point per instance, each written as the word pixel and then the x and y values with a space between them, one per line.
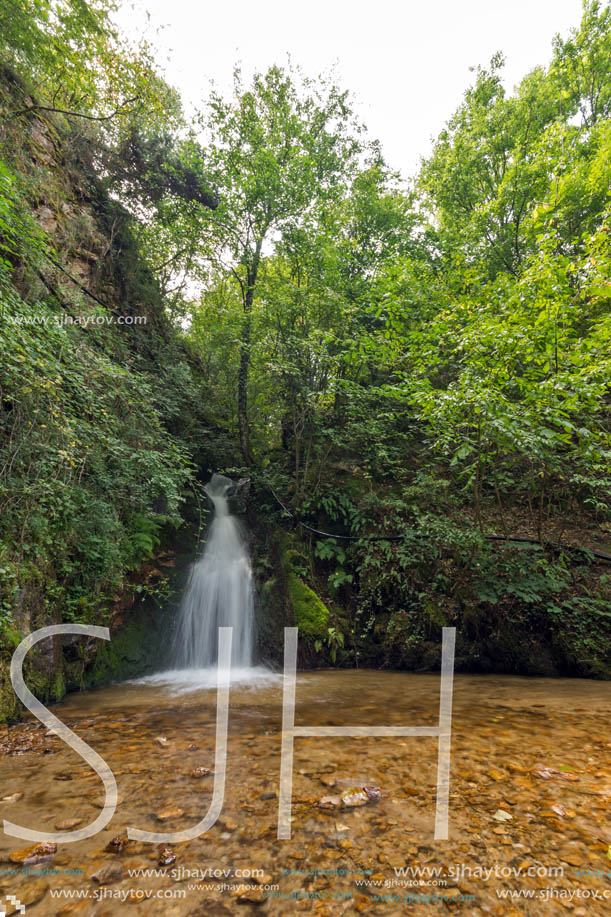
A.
pixel 535 750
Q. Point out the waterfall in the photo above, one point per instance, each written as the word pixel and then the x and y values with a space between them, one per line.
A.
pixel 219 592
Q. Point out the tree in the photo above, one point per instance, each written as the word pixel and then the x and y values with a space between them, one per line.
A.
pixel 277 150
pixel 69 51
pixel 481 177
pixel 581 64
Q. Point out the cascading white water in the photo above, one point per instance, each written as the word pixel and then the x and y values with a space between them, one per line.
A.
pixel 219 593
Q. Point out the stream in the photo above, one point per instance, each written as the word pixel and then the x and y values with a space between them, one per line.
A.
pixel 530 782
pixel 531 748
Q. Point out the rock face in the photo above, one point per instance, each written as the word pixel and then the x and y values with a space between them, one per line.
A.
pixel 238 497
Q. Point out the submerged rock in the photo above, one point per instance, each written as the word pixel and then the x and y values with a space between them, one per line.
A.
pixel 68 823
pixel 117 844
pixel 501 815
pixel 352 798
pixel 107 874
pixel 166 856
pixel 330 802
pixel 39 853
pixel 360 796
pixel 169 814
pixel 201 772
pixel 249 894
pixel 31 892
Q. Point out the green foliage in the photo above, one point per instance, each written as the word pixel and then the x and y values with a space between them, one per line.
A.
pixel 431 361
pixel 143 540
pixel 92 464
pixel 334 642
pixel 71 52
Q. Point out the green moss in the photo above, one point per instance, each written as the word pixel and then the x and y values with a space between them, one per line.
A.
pixel 43 686
pixel 311 613
pixel 10 708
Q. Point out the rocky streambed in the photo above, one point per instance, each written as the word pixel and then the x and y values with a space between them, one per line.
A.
pixel 529 798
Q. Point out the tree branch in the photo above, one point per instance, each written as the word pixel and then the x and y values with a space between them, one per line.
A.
pixel 73 114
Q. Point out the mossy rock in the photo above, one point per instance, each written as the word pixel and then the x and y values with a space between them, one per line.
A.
pixel 311 613
pixel 10 707
pixel 138 648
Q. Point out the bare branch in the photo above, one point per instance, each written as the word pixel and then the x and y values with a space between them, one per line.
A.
pixel 73 114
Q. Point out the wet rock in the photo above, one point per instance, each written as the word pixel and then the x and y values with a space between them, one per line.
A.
pixel 201 772
pixel 502 815
pixel 238 495
pixel 265 879
pixel 67 824
pixel 495 774
pixel 113 872
pixel 573 857
pixel 249 894
pixel 329 802
pixel 328 781
pixel 166 856
pixel 410 790
pixel 162 741
pixel 32 892
pixel 137 895
pixel 360 796
pixel 14 797
pixel 361 902
pixel 559 810
pixel 118 844
pixel 38 853
pixel 548 773
pixel 169 814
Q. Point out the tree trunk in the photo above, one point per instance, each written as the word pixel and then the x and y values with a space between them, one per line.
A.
pixel 243 390
pixel 243 426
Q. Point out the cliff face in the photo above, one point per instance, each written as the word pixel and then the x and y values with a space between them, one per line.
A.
pixel 58 165
pixel 94 458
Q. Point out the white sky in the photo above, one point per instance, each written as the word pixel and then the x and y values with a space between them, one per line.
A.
pixel 406 63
